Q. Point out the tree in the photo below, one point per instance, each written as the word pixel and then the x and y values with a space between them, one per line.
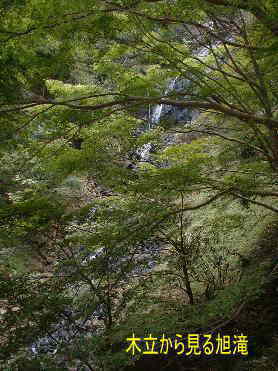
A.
pixel 236 71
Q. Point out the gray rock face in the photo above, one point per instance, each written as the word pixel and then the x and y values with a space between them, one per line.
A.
pixel 174 115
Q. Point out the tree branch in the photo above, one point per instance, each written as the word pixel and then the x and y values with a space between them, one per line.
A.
pixel 157 100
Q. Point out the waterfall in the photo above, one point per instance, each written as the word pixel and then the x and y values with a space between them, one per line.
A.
pixel 157 112
pixel 144 153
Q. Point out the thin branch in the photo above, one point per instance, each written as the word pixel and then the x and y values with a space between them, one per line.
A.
pixel 269 207
pixel 221 136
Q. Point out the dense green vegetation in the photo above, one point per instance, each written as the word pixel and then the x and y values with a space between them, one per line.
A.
pixel 100 240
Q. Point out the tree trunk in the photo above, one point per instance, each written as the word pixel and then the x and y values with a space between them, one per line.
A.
pixel 187 283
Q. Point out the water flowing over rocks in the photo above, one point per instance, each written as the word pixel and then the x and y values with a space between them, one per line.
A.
pixel 174 115
pixel 163 114
pixel 74 325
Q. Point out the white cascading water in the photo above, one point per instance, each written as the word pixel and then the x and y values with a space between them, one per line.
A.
pixel 144 152
pixel 156 113
pixel 159 107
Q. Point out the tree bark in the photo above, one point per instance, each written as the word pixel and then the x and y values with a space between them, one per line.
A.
pixel 187 283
